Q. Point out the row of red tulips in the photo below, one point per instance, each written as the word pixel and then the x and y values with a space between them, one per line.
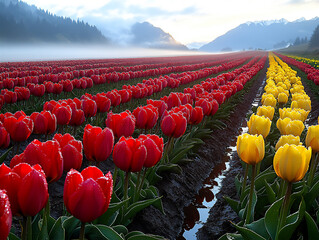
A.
pixel 23 69
pixel 22 93
pixel 312 73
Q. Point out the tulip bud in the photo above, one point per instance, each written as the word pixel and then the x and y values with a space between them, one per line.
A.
pixel 291 162
pixel 250 148
pixel 312 138
pixel 5 215
pixel 259 125
pixel 87 195
pixel 129 154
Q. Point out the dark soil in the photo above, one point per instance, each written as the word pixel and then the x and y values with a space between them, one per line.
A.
pixel 179 190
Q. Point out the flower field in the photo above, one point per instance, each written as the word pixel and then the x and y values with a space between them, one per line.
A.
pixel 90 148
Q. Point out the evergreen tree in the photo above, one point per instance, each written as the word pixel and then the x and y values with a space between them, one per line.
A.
pixel 314 40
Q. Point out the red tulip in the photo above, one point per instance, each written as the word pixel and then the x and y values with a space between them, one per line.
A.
pixel 160 105
pixel 71 151
pixel 98 143
pixel 103 103
pixel 129 154
pixel 4 137
pixel 47 154
pixel 146 116
pixel 67 86
pixel 89 107
pixel 174 125
pixel 26 187
pixel 173 100
pixel 44 122
pixel 122 124
pixel 19 129
pixel 154 147
pixel 63 113
pixel 77 117
pixel 205 105
pixel 196 116
pixel 87 195
pixel 5 215
pixel 215 107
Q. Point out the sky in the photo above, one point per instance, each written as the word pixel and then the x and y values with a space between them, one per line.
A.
pixel 190 22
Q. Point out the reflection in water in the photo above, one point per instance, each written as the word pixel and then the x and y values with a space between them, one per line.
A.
pixel 197 213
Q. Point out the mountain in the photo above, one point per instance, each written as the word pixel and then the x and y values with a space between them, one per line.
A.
pixel 263 35
pixel 22 23
pixel 146 35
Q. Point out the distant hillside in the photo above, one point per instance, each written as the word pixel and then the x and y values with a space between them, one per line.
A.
pixel 146 35
pixel 22 23
pixel 263 35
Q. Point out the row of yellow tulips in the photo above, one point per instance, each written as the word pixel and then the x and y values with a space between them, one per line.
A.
pixel 291 159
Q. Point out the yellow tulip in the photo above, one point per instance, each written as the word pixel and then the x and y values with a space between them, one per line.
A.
pixel 287 126
pixel 259 125
pixel 291 113
pixel 312 138
pixel 270 100
pixel 288 139
pixel 282 98
pixel 291 162
pixel 273 91
pixel 267 111
pixel 302 103
pixel 250 148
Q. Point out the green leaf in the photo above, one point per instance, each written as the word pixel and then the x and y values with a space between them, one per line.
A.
pixel 152 193
pixel 311 195
pixel 259 227
pixel 101 232
pixel 136 207
pixel 248 234
pixel 261 178
pixel 271 195
pixel 13 237
pixel 120 229
pixel 231 236
pixel 174 168
pixel 133 233
pixel 293 222
pixel 70 224
pixel 4 156
pixel 272 218
pixel 110 213
pixel 180 154
pixel 232 203
pixel 57 232
pixel 313 231
pixel 145 237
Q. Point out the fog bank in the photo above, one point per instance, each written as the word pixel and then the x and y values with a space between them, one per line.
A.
pixel 17 53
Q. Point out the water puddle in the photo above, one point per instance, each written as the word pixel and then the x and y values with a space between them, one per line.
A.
pixel 196 214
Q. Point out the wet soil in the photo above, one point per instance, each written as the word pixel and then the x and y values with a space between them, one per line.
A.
pixel 179 190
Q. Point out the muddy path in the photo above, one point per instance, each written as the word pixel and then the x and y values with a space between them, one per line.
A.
pixel 178 191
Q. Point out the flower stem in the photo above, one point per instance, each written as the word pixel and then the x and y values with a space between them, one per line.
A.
pixel 82 231
pixel 313 167
pixel 252 187
pixel 126 182
pixel 284 209
pixel 115 176
pixel 26 228
pixel 244 182
pixel 137 187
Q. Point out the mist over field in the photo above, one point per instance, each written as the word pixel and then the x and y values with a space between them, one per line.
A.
pixel 10 53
